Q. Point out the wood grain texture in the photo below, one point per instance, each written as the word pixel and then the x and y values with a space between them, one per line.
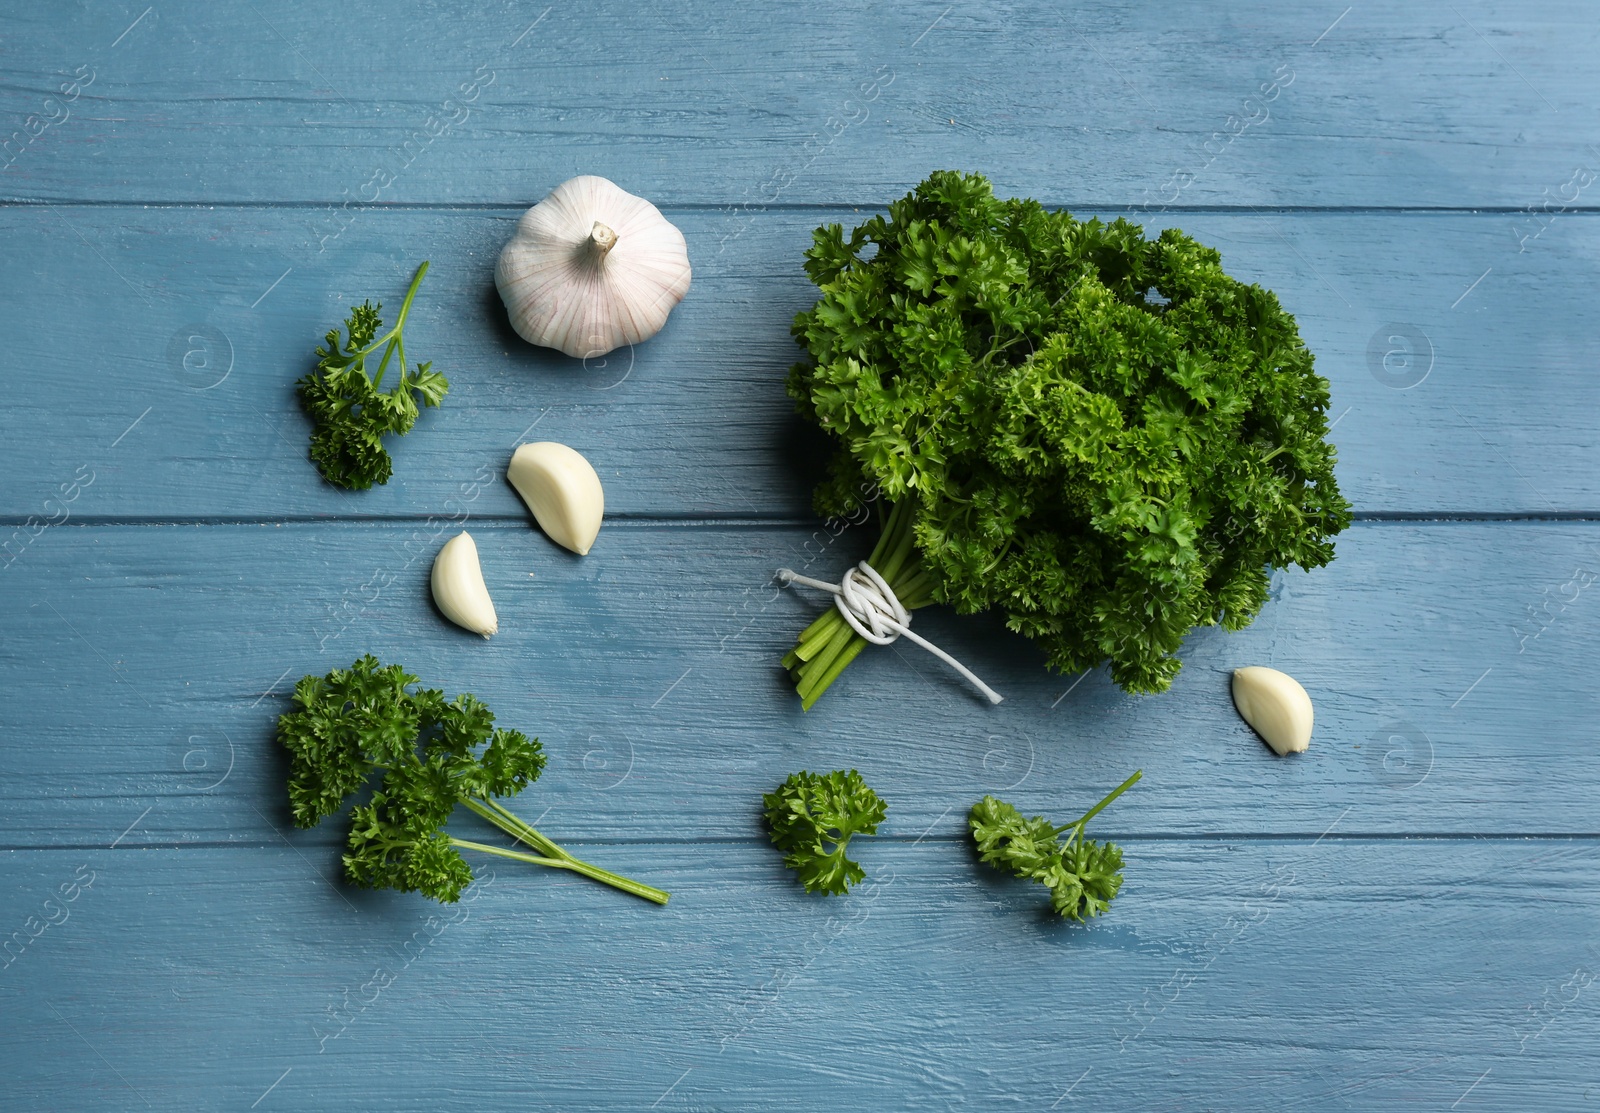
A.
pixel 1234 974
pixel 200 320
pixel 190 195
pixel 650 670
pixel 1463 105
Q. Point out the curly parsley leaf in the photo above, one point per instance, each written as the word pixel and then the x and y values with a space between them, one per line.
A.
pixel 813 817
pixel 1104 436
pixel 350 414
pixel 1083 876
pixel 423 756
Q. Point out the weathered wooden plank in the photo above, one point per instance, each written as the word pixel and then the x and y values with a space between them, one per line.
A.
pixel 690 102
pixel 145 668
pixel 1285 940
pixel 1248 975
pixel 156 352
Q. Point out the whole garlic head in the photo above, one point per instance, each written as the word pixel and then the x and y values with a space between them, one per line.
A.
pixel 591 268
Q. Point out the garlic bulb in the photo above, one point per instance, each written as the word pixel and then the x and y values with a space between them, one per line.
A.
pixel 458 587
pixel 591 268
pixel 1276 705
pixel 562 490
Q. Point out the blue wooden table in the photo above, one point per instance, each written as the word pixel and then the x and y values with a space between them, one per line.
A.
pixel 191 194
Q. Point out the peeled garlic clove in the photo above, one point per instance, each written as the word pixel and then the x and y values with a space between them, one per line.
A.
pixel 562 490
pixel 591 268
pixel 458 587
pixel 1276 705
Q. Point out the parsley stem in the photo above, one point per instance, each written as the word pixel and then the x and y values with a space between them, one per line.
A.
pixel 852 646
pixel 899 540
pixel 825 651
pixel 1078 824
pixel 826 647
pixel 392 337
pixel 558 858
pixel 405 306
pixel 513 825
pixel 569 863
pixel 517 854
pixel 384 362
pixel 506 821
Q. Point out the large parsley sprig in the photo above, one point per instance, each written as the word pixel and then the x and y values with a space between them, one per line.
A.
pixel 1106 437
pixel 350 414
pixel 1083 876
pixel 813 817
pixel 427 756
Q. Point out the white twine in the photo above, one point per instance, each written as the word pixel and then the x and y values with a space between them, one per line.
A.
pixel 873 610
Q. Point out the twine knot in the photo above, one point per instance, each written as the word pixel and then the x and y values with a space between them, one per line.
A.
pixel 872 609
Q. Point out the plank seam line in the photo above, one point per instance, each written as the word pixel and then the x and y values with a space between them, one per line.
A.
pixel 515 209
pixel 623 520
pixel 1122 837
pixel 744 521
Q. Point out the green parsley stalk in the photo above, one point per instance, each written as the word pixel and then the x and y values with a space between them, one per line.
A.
pixel 550 854
pixel 829 644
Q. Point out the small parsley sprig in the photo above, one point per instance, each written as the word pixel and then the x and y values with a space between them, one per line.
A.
pixel 350 413
pixel 1083 876
pixel 809 812
pixel 428 756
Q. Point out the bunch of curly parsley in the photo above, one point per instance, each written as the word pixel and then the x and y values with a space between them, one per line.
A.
pixel 350 414
pixel 1105 436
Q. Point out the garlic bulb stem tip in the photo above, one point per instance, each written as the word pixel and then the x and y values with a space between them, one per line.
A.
pixel 592 268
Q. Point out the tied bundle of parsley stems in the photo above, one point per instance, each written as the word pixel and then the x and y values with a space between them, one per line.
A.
pixel 829 644
pixel 1106 437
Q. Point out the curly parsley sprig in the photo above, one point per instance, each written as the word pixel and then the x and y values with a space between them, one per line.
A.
pixel 813 817
pixel 428 756
pixel 1104 436
pixel 350 413
pixel 1083 876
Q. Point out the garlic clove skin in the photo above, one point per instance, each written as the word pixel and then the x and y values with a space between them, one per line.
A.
pixel 562 490
pixel 458 587
pixel 1276 706
pixel 591 268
